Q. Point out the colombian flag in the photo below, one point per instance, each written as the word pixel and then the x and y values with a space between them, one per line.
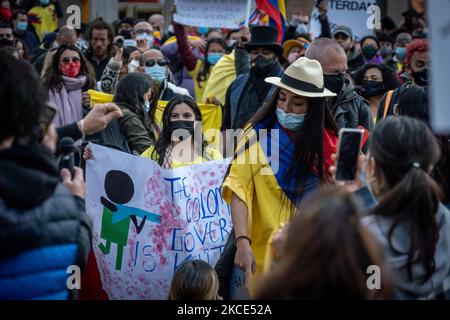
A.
pixel 276 10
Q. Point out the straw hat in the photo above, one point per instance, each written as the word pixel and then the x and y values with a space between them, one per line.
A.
pixel 304 77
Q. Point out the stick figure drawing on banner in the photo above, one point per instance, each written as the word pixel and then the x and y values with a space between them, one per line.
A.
pixel 119 189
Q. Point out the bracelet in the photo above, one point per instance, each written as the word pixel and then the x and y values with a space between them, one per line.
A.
pixel 243 237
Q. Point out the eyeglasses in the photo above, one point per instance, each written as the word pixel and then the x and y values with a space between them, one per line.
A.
pixel 141 31
pixel 151 63
pixel 7 36
pixel 68 59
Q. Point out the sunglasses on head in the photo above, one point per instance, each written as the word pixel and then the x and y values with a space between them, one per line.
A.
pixel 68 59
pixel 151 63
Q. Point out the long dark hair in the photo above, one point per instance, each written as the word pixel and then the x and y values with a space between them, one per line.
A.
pixel 130 93
pixel 165 138
pixel 308 141
pixel 326 253
pixel 413 102
pixel 409 194
pixel 53 78
pixel 204 71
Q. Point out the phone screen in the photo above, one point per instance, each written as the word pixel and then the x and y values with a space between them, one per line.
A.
pixel 349 148
pixel 129 43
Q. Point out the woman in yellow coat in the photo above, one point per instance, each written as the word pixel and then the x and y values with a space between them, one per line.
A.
pixel 270 175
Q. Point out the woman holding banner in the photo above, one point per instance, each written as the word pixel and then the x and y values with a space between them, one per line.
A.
pixel 262 194
pixel 177 145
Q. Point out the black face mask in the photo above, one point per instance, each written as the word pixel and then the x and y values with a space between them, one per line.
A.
pixel 421 77
pixel 6 42
pixel 334 82
pixel 181 125
pixel 262 66
pixel 373 88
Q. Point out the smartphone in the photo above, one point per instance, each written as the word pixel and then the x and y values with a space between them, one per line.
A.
pixel 129 43
pixel 349 149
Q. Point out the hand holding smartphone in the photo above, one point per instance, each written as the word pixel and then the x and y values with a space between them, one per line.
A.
pixel 348 153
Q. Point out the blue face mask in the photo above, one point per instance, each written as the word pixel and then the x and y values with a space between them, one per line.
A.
pixel 213 58
pixel 400 53
pixel 158 73
pixel 45 2
pixel 22 25
pixel 203 30
pixel 291 121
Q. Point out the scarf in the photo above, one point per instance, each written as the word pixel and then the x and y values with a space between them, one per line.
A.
pixel 68 101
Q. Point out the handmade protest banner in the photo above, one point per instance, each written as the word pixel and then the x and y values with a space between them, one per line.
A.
pixel 148 220
pixel 439 25
pixel 361 16
pixel 212 13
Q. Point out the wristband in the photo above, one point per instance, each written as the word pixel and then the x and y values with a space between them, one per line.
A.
pixel 243 237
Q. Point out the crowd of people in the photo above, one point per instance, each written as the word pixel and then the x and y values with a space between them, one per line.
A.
pixel 297 232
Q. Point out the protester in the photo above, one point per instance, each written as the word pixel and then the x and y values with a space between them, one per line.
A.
pixel 247 94
pixel 331 266
pixel 348 108
pixel 156 66
pixel 307 135
pixel 6 35
pixel 136 96
pixel 20 22
pixel 44 238
pixel 370 47
pixel 69 77
pixel 344 36
pixel 386 49
pixel 400 56
pixel 126 24
pixel 66 36
pixel 409 221
pixel 199 70
pixel 227 69
pixel 417 66
pixel 22 49
pixel 177 145
pixel 143 33
pixel 375 80
pixel 5 11
pixel 100 36
pixel 194 280
pixel 294 49
pixel 157 22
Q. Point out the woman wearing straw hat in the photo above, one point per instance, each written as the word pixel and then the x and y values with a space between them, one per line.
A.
pixel 264 195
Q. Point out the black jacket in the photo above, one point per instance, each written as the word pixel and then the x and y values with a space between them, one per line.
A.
pixel 39 220
pixel 350 110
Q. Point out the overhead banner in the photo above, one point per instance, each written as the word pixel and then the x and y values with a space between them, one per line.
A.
pixel 439 26
pixel 148 220
pixel 212 13
pixel 359 15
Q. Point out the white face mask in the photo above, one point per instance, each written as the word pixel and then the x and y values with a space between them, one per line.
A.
pixel 147 105
pixel 132 66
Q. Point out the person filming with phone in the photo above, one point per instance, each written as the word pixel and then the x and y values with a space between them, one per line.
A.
pixel 43 220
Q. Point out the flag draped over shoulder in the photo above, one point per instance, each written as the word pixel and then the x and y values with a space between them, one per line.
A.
pixel 276 10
